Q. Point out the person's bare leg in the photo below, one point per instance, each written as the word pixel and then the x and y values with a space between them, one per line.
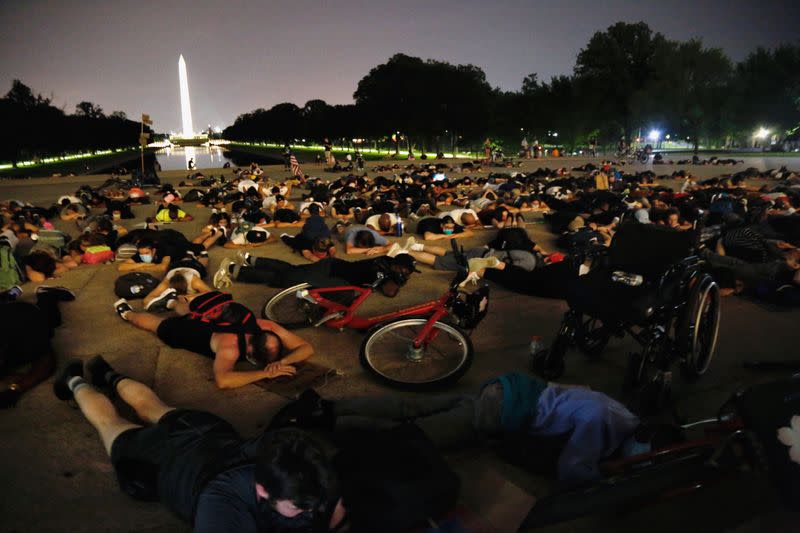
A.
pixel 145 321
pixel 423 257
pixel 434 250
pixel 101 414
pixel 145 402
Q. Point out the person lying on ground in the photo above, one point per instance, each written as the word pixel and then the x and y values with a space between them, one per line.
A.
pixel 247 235
pixel 148 258
pixel 197 464
pixel 26 351
pixel 467 218
pixel 592 425
pixel 314 240
pixel 173 213
pixel 361 240
pixel 385 223
pixel 435 228
pixel 390 273
pixel 42 261
pixel 216 232
pixel 271 348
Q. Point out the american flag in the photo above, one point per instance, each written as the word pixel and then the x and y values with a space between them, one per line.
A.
pixel 296 171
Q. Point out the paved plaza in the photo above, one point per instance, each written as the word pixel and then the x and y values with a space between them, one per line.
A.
pixel 56 476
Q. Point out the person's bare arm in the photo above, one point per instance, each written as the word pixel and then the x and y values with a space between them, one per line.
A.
pixel 199 286
pixel 308 255
pixel 297 348
pixel 352 249
pixel 227 378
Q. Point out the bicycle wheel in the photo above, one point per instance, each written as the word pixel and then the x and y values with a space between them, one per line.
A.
pixel 387 353
pixel 292 312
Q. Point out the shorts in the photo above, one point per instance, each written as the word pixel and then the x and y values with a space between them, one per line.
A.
pixel 172 460
pixel 187 334
pixel 448 260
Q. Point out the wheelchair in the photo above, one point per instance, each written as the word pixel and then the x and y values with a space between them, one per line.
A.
pixel 650 284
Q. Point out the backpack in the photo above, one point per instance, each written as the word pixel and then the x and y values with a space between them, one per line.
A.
pixel 396 480
pixel 10 273
pixel 95 255
pixel 226 316
pixel 134 285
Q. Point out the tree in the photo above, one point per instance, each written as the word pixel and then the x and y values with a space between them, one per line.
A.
pixel 614 67
pixel 88 109
pixel 690 89
pixel 119 115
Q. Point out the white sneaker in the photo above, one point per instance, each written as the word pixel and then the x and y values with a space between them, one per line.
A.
pixel 395 249
pixel 410 242
pixel 222 278
pixel 480 263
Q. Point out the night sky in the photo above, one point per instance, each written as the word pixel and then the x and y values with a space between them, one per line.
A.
pixel 123 55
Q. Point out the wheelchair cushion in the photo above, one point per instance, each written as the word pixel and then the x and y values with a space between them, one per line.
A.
pixel 597 295
pixel 648 249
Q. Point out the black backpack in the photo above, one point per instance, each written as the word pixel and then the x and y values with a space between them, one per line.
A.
pixel 134 285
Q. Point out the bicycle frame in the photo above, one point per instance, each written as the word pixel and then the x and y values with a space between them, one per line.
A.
pixel 435 308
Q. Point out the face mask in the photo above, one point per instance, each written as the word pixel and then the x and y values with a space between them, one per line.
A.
pixel 448 232
pixel 146 258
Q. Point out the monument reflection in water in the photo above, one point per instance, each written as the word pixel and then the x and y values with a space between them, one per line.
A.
pixel 177 157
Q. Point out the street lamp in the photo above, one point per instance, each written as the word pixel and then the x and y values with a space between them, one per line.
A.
pixel 654 135
pixel 762 133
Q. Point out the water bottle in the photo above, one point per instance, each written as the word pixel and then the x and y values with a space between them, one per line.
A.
pixel 398 227
pixel 633 280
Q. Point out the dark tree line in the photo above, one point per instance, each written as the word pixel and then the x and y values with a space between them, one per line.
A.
pixel 627 79
pixel 34 128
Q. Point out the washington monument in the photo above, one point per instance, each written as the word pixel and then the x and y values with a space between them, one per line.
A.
pixel 186 107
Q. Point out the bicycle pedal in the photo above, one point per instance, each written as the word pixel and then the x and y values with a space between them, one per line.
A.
pixel 327 318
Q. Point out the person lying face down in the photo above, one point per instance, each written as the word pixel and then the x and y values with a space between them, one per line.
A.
pixel 593 425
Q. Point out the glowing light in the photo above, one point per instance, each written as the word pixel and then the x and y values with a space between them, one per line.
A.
pixel 667 137
pixel 762 133
pixel 186 108
pixel 654 135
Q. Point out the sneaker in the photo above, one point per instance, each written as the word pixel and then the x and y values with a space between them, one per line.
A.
pixel 243 258
pixel 98 371
pixel 395 249
pixel 222 278
pixel 477 264
pixel 285 235
pixel 308 410
pixel 161 302
pixel 62 294
pixel 122 306
pixel 60 387
pixel 410 242
pixel 13 293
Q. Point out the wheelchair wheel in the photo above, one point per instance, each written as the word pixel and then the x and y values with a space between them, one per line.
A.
pixel 387 353
pixel 591 335
pixel 698 328
pixel 292 312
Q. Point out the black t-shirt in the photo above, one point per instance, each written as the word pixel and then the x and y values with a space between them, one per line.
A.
pixel 357 273
pixel 228 503
pixel 434 225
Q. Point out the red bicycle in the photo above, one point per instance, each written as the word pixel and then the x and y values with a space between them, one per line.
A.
pixel 412 348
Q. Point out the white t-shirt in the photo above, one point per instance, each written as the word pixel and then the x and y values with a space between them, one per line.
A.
pixel 244 185
pixel 268 203
pixel 457 214
pixel 72 199
pixel 373 221
pixel 241 238
pixel 480 203
pixel 188 273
